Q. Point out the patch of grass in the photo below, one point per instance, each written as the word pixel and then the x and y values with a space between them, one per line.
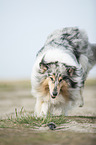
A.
pixel 31 121
pixel 27 120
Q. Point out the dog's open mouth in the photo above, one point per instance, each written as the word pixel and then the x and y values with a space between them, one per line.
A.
pixel 53 97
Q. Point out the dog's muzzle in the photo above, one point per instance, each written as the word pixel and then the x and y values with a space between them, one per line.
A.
pixel 54 94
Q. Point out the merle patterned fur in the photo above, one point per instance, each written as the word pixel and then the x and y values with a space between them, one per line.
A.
pixel 74 40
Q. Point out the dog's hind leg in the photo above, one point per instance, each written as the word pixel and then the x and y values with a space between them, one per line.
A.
pixel 82 100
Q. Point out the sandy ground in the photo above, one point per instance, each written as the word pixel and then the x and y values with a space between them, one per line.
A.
pixel 15 99
pixel 79 131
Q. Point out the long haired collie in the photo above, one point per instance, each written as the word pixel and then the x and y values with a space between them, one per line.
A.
pixel 60 71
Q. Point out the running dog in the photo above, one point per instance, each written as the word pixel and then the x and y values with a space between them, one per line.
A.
pixel 60 71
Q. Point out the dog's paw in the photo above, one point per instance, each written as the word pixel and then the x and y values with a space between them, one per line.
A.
pixel 81 104
pixel 39 115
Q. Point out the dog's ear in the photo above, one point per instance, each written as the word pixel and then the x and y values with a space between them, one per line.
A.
pixel 43 66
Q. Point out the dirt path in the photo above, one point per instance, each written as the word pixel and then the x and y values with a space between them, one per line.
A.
pixel 30 137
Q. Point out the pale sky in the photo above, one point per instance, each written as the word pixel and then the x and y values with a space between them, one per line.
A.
pixel 25 25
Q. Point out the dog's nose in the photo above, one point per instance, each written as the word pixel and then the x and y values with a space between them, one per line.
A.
pixel 54 93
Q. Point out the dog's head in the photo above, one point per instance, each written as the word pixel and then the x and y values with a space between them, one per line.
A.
pixel 57 78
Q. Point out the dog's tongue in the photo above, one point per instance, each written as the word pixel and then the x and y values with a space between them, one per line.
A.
pixel 53 97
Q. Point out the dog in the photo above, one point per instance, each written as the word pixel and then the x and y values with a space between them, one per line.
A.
pixel 60 71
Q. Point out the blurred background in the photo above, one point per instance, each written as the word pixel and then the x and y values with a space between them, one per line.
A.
pixel 25 25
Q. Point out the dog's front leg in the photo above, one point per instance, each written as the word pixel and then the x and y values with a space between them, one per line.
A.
pixel 44 109
pixel 41 108
pixel 37 108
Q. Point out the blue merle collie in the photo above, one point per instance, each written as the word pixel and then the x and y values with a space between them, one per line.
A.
pixel 60 71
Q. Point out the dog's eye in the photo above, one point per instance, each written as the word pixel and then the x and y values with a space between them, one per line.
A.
pixel 60 80
pixel 70 72
pixel 52 79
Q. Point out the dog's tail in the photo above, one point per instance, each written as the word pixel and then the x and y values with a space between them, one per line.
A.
pixel 93 48
pixel 91 54
pixel 88 57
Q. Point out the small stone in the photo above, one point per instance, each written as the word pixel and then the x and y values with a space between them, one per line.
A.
pixel 51 125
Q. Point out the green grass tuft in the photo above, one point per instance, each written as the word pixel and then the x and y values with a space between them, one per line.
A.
pixel 25 119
